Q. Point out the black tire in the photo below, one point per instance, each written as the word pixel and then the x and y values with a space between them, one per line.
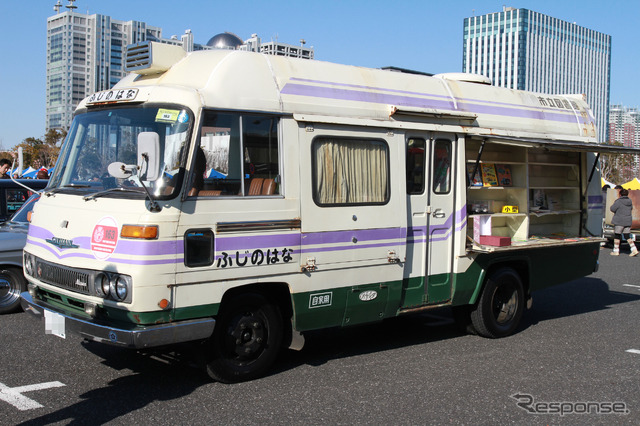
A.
pixel 12 283
pixel 501 305
pixel 246 339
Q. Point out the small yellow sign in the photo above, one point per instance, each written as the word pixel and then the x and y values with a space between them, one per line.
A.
pixel 510 209
pixel 167 115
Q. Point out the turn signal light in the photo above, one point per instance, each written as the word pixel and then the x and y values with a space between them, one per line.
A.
pixel 163 304
pixel 149 232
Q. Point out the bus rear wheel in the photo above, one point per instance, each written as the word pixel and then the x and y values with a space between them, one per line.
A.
pixel 246 340
pixel 501 305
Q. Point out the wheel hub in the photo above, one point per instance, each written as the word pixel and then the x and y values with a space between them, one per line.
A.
pixel 248 334
pixel 504 307
pixel 8 293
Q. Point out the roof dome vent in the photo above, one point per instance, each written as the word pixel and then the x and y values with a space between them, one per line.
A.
pixel 225 41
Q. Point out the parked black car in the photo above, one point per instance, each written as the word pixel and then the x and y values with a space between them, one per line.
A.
pixel 13 237
pixel 13 196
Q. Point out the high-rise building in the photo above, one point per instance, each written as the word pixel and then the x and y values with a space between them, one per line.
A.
pixel 526 50
pixel 85 54
pixel 624 128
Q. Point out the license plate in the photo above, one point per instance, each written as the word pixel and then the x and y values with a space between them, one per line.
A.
pixel 54 324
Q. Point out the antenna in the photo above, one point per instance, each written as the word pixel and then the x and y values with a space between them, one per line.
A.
pixel 71 6
pixel 57 7
pixel 303 42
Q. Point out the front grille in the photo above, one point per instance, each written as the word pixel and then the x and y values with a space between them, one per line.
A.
pixel 60 276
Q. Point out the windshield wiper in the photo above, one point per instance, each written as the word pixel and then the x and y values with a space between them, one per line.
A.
pixel 69 185
pixel 106 191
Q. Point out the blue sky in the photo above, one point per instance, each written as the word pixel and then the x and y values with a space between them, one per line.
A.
pixel 422 35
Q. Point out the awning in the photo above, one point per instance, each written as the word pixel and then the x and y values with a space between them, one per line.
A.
pixel 559 145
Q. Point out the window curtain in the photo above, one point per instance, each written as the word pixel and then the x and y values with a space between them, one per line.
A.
pixel 351 172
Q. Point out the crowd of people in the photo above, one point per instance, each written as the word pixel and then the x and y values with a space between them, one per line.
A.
pixel 5 171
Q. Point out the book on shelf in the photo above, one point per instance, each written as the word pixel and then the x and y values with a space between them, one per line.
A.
pixel 477 179
pixel 504 175
pixel 489 176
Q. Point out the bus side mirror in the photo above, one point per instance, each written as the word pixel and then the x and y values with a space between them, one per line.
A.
pixel 149 156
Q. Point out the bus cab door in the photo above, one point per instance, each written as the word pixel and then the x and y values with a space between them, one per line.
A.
pixel 432 217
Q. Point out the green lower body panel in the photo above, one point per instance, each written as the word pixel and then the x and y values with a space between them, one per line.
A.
pixel 127 319
pixel 369 302
pixel 538 267
pixel 346 305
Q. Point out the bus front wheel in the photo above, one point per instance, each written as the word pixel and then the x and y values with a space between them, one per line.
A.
pixel 246 340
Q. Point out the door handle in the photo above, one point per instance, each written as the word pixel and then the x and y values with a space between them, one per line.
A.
pixel 439 214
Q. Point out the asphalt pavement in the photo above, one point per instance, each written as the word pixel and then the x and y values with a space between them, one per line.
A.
pixel 574 360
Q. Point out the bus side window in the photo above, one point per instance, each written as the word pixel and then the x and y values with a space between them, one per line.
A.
pixel 350 171
pixel 442 166
pixel 415 165
pixel 241 155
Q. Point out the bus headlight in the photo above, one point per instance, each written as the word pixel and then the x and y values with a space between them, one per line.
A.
pixel 28 264
pixel 119 288
pixel 112 286
pixel 102 284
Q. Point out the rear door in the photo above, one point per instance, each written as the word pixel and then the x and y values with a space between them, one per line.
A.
pixel 432 218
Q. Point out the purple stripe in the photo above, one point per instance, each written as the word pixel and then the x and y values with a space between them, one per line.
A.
pixel 150 248
pixel 55 252
pixel 362 96
pixel 146 262
pixel 470 100
pixel 342 248
pixel 38 232
pixel 261 241
pixel 418 233
pixel 461 215
pixel 124 247
pixel 347 236
pixel 359 86
pixel 382 98
pixel 77 255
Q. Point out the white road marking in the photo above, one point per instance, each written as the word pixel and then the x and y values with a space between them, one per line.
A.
pixel 633 351
pixel 630 285
pixel 14 395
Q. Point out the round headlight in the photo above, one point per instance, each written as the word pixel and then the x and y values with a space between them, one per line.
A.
pixel 28 264
pixel 120 288
pixel 102 284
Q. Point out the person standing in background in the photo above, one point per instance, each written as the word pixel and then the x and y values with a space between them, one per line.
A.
pixel 622 219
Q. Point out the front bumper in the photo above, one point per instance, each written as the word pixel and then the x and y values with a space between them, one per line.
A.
pixel 137 338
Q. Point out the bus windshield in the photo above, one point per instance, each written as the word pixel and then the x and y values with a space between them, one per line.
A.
pixel 100 137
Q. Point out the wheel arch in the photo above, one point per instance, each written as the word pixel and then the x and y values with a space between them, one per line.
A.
pixel 520 265
pixel 276 292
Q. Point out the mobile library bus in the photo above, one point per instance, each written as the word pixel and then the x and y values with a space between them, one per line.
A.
pixel 241 199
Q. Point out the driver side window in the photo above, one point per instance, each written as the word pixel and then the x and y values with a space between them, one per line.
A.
pixel 238 155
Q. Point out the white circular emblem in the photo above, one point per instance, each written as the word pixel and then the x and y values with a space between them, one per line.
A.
pixel 366 296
